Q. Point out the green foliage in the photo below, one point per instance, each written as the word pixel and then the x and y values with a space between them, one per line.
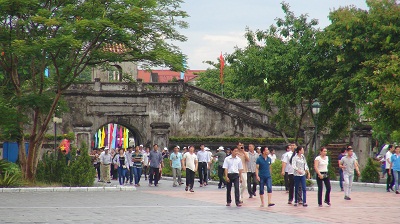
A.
pixel 10 174
pixel 234 140
pixel 370 172
pixel 310 162
pixel 277 178
pixel 55 169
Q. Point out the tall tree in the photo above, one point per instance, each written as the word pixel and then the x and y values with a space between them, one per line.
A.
pixel 67 37
pixel 279 67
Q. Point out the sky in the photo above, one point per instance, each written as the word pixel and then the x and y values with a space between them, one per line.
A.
pixel 217 26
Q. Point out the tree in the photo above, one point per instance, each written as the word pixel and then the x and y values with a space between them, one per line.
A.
pixel 365 46
pixel 279 67
pixel 67 37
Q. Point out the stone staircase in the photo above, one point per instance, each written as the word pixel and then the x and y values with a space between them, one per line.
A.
pixel 230 108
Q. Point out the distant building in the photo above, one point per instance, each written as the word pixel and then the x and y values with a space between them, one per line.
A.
pixel 163 76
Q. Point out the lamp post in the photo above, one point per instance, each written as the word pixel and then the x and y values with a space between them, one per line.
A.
pixel 315 106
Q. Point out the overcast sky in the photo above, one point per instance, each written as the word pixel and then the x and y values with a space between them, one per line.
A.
pixel 217 26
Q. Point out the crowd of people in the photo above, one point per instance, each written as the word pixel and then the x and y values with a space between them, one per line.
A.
pixel 238 168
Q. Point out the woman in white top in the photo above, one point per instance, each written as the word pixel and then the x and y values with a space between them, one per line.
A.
pixel 321 169
pixel 299 164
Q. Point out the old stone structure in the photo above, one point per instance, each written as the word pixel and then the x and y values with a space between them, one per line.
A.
pixel 155 111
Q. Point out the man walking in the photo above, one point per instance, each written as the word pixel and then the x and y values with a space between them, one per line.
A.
pixel 155 163
pixel 221 155
pixel 263 173
pixel 204 161
pixel 243 155
pixel 390 177
pixel 288 171
pixel 341 178
pixel 284 172
pixel 233 174
pixel 146 155
pixel 251 171
pixel 190 164
pixel 348 164
pixel 105 162
pixel 175 161
pixel 129 174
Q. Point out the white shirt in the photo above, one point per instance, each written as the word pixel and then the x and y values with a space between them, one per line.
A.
pixel 288 169
pixel 322 163
pixel 273 157
pixel 105 158
pixel 203 156
pixel 146 158
pixel 387 157
pixel 190 160
pixel 233 164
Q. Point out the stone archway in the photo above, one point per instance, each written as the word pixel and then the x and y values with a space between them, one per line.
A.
pixel 135 136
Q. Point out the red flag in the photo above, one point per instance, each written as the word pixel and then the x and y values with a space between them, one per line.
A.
pixel 221 70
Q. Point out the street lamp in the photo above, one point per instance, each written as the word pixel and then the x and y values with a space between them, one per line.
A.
pixel 315 106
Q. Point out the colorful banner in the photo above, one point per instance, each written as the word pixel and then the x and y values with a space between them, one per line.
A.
pixel 65 145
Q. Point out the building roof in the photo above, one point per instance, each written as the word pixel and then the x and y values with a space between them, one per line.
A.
pixel 166 75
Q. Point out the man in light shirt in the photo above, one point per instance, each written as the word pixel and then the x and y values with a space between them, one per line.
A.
pixel 204 160
pixel 251 171
pixel 105 163
pixel 233 175
pixel 287 170
pixel 390 178
pixel 244 156
pixel 272 155
pixel 190 164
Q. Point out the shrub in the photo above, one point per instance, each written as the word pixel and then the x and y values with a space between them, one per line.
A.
pixel 10 174
pixel 277 178
pixel 55 169
pixel 310 162
pixel 370 173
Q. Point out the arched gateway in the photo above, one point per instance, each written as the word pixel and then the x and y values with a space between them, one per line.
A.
pixel 155 111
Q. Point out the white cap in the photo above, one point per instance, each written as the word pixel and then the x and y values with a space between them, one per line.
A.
pixel 259 147
pixel 185 147
pixel 178 147
pixel 165 148
pixel 106 148
pixel 220 148
pixel 141 145
pixel 207 149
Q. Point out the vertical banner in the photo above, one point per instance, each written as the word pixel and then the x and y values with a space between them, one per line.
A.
pixel 114 134
pixel 103 136
pixel 120 137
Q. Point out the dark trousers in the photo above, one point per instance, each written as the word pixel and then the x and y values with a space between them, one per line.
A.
pixel 145 171
pixel 286 178
pixel 389 179
pixel 221 176
pixel 189 178
pixel 129 175
pixel 341 178
pixel 251 179
pixel 291 186
pixel 327 183
pixel 203 172
pixel 233 180
pixel 154 175
pixel 97 167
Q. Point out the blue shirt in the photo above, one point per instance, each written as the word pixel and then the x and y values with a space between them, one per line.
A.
pixel 395 162
pixel 263 166
pixel 155 159
pixel 176 159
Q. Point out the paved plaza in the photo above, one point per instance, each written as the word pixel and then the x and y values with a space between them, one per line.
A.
pixel 167 204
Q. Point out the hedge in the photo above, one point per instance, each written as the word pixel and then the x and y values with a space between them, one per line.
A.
pixel 258 141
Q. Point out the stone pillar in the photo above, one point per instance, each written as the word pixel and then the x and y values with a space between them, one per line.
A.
pixel 97 84
pixel 362 144
pixel 139 87
pixel 83 135
pixel 160 134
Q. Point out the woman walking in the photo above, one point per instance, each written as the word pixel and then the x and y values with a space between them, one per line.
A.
pixel 122 163
pixel 137 159
pixel 321 169
pixel 300 167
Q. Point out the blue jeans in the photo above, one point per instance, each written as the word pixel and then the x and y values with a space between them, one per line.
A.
pixel 396 175
pixel 341 178
pixel 121 175
pixel 265 181
pixel 138 173
pixel 297 181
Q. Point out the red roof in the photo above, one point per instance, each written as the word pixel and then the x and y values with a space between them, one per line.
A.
pixel 167 75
